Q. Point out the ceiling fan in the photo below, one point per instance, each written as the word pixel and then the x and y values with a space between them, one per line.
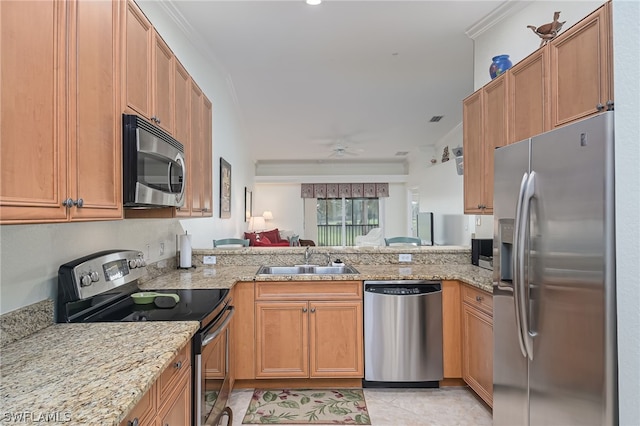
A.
pixel 341 146
pixel 340 149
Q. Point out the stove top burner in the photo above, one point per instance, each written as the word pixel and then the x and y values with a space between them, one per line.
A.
pixel 194 305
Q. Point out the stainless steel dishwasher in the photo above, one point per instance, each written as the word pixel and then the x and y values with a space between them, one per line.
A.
pixel 402 333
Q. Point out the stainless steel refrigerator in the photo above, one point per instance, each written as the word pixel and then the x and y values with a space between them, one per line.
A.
pixel 555 360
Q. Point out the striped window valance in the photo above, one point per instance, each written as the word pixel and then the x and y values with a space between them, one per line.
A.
pixel 347 190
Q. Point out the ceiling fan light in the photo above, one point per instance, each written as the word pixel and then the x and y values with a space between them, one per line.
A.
pixel 313 2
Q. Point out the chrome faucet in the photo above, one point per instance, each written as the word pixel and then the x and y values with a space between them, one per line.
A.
pixel 307 255
pixel 328 255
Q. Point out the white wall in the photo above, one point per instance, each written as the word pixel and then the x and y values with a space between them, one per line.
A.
pixel 511 37
pixel 229 140
pixel 284 201
pixel 626 53
pixel 31 254
pixel 441 191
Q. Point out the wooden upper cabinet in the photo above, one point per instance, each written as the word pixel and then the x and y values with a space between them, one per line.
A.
pixel 138 64
pixel 207 132
pixel 197 150
pixel 494 117
pixel 529 97
pixel 484 129
pixel 183 125
pixel 95 114
pixel 33 157
pixel 581 68
pixel 473 157
pixel 163 84
pixel 73 153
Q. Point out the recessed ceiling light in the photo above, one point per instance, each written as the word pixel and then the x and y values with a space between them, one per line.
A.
pixel 313 2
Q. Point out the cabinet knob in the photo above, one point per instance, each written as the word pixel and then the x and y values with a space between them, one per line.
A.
pixel 304 309
pixel 313 310
pixel 609 105
pixel 70 202
pixel 600 107
pixel 178 365
pixel 134 422
pixel 479 298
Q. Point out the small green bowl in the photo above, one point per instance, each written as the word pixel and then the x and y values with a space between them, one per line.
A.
pixel 146 297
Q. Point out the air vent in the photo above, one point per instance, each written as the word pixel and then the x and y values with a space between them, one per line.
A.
pixel 436 118
pixel 401 153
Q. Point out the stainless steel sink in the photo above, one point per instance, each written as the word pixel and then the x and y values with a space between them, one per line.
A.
pixel 306 269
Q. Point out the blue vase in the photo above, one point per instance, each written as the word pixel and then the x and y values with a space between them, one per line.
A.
pixel 500 64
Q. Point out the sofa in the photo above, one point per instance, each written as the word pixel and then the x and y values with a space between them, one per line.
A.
pixel 270 238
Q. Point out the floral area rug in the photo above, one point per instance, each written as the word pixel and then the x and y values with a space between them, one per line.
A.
pixel 307 406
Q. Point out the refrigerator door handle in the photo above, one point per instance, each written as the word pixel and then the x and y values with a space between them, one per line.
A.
pixel 516 265
pixel 529 193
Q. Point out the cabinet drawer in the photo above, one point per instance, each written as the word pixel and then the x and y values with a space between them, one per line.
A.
pixel 305 290
pixel 478 298
pixel 144 411
pixel 168 379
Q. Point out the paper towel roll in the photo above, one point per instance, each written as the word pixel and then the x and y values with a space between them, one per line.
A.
pixel 185 250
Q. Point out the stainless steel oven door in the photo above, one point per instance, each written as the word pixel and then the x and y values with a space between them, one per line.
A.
pixel 212 385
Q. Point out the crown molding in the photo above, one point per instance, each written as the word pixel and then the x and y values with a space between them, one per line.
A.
pixel 506 9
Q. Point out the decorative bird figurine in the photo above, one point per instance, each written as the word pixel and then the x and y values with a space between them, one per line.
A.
pixel 547 32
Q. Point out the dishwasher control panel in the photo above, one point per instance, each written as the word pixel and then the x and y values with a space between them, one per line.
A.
pixel 402 287
pixel 401 290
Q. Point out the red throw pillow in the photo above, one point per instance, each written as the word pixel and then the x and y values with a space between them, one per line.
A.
pixel 251 236
pixel 273 235
pixel 263 241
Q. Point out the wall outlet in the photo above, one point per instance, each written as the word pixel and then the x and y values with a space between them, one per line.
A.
pixel 404 258
pixel 209 260
pixel 478 220
pixel 161 248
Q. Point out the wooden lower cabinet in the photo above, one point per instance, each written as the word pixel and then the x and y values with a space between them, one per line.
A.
pixel 282 339
pixel 477 342
pixel 168 401
pixel 242 332
pixel 177 409
pixel 335 339
pixel 317 336
pixel 451 330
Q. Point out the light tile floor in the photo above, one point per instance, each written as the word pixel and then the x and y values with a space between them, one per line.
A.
pixel 404 407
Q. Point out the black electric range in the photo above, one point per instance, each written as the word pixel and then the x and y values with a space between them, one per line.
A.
pixel 98 288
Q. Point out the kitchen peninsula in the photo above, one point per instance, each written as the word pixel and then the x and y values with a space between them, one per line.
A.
pixel 93 362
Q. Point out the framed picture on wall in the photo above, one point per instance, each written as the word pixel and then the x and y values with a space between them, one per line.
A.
pixel 225 189
pixel 248 204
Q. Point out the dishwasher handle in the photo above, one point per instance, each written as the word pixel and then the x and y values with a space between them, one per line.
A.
pixel 403 288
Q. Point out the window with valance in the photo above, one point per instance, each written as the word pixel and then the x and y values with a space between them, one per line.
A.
pixel 344 190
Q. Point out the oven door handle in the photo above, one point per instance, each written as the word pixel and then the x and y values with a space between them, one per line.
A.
pixel 216 332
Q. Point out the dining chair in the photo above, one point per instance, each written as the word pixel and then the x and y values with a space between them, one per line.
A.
pixel 231 242
pixel 403 240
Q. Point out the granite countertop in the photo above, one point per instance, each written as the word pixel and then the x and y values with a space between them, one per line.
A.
pixel 87 374
pixel 227 276
pixel 96 373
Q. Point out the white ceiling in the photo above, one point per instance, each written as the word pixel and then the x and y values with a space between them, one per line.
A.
pixel 362 75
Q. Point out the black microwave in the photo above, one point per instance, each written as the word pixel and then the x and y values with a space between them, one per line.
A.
pixel 154 172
